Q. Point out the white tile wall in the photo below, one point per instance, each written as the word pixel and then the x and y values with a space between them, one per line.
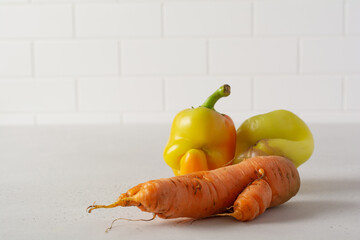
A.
pixel 71 1
pixel 26 21
pixel 15 58
pixel 78 119
pixel 352 88
pixel 207 18
pixel 297 17
pixel 55 95
pixel 17 96
pixel 118 20
pixel 99 95
pixel 17 119
pixel 301 93
pixel 163 57
pixel 142 61
pixel 237 56
pixel 330 55
pixel 36 96
pixel 353 16
pixel 120 95
pixel 14 1
pixel 76 57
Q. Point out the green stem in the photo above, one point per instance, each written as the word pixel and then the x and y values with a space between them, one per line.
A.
pixel 223 91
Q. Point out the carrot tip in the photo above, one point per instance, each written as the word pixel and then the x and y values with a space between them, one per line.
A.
pixel 89 208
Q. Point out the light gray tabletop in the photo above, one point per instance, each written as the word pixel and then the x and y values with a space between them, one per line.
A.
pixel 49 175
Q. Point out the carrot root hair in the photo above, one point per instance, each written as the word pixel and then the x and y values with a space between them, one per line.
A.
pixel 129 219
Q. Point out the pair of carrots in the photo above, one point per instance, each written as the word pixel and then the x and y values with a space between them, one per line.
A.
pixel 247 188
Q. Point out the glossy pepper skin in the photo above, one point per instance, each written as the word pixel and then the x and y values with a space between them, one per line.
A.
pixel 201 138
pixel 279 132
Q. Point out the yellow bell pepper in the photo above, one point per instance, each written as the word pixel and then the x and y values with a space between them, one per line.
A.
pixel 279 132
pixel 201 138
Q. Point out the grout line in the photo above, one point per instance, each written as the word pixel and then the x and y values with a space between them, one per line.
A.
pixel 15 3
pixel 215 75
pixel 30 78
pixel 187 37
pixel 45 2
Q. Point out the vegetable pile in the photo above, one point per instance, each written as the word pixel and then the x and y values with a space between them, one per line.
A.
pixel 221 172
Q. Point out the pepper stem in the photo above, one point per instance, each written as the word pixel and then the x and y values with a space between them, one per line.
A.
pixel 223 91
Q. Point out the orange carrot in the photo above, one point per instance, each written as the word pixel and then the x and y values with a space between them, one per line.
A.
pixel 249 187
pixel 253 201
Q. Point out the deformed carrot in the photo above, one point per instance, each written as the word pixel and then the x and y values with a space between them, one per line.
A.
pixel 251 202
pixel 249 188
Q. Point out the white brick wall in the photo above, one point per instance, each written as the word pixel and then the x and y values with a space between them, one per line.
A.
pixel 324 93
pixel 352 99
pixel 330 55
pixel 298 17
pixel 37 95
pixel 118 20
pixel 16 96
pixel 33 21
pixel 163 57
pixel 353 17
pixel 255 56
pixel 142 61
pixel 209 19
pixel 76 57
pixel 120 95
pixel 15 58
